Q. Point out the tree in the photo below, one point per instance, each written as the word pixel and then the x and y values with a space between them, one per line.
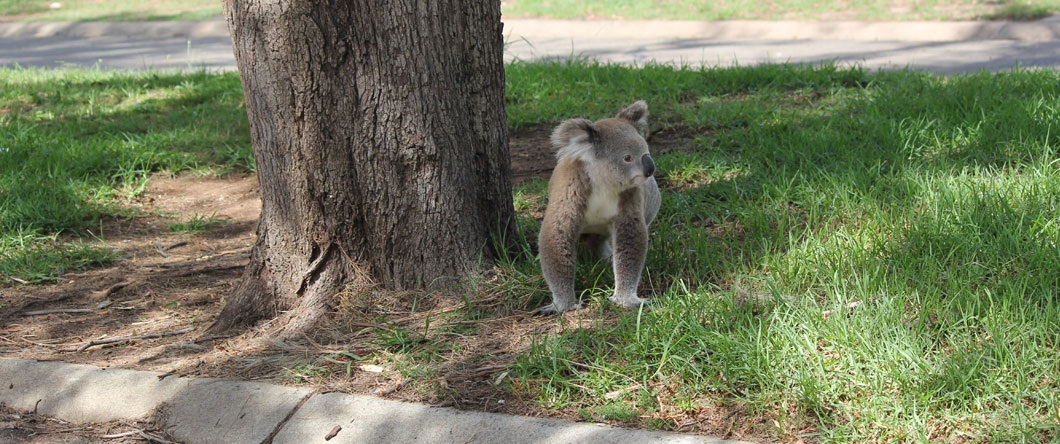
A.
pixel 380 138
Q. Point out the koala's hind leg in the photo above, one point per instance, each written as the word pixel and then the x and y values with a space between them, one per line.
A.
pixel 557 244
pixel 630 237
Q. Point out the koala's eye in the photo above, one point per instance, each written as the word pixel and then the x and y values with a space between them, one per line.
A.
pixel 628 158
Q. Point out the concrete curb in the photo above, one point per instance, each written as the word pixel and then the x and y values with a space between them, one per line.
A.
pixel 210 411
pixel 1034 31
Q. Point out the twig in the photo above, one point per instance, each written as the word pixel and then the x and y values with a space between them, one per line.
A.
pixel 146 436
pixel 203 270
pixel 580 365
pixel 119 435
pixel 615 394
pixel 106 292
pixel 370 325
pixel 851 305
pixel 334 431
pixel 40 344
pixel 210 338
pixel 163 250
pixel 153 438
pixel 132 338
pixel 477 373
pixel 57 310
pixel 424 314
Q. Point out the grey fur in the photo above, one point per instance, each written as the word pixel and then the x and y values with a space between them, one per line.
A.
pixel 602 186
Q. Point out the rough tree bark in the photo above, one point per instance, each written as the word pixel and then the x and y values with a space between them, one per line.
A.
pixel 380 138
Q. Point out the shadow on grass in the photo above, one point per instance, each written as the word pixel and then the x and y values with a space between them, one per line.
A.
pixel 891 194
pixel 780 180
pixel 77 142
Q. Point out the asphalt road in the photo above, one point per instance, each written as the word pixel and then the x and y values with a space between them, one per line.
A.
pixel 936 46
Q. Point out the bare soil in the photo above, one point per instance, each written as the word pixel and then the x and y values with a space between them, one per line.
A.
pixel 171 284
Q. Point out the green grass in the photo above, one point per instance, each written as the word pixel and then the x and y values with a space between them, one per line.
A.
pixel 861 257
pixel 109 10
pixel 781 10
pixel 134 10
pixel 75 146
pixel 33 258
pixel 197 224
pixel 842 256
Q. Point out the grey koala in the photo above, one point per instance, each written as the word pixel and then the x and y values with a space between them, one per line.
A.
pixel 602 187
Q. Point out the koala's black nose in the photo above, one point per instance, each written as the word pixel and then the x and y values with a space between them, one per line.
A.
pixel 649 165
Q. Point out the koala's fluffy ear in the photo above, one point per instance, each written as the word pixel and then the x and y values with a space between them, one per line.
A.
pixel 637 114
pixel 575 137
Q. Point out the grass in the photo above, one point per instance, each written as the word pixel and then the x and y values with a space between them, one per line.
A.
pixel 29 257
pixel 197 224
pixel 134 10
pixel 859 257
pixel 788 10
pixel 842 255
pixel 109 10
pixel 77 145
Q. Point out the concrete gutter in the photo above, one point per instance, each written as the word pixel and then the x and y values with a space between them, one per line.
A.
pixel 209 411
pixel 924 31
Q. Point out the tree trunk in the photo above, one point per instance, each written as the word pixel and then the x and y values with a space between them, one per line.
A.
pixel 381 144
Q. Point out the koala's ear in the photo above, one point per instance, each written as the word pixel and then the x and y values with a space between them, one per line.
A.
pixel 575 137
pixel 637 114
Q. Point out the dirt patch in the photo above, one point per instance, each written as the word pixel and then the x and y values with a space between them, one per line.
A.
pixel 148 311
pixel 164 280
pixel 532 155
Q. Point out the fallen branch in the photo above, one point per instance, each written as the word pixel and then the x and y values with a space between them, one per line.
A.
pixel 57 310
pixel 133 338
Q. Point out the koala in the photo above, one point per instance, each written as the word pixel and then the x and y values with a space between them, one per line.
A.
pixel 602 187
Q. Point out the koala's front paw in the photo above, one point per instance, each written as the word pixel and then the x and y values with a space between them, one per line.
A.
pixel 631 302
pixel 552 309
